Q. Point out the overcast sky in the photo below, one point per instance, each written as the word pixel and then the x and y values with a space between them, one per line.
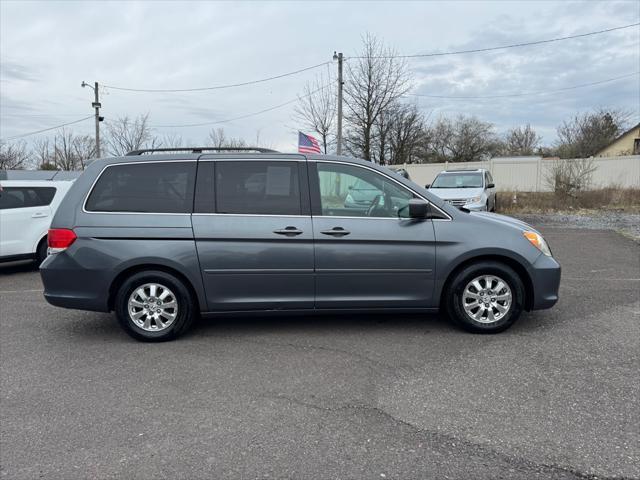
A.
pixel 48 48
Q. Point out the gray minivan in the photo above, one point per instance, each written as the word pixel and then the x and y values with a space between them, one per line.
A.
pixel 161 236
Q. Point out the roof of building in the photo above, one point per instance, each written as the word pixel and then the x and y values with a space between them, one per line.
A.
pixel 624 134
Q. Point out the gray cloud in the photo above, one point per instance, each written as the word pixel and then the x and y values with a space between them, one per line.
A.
pixel 48 48
pixel 13 71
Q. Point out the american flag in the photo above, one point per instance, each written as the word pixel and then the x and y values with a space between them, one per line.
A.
pixel 307 144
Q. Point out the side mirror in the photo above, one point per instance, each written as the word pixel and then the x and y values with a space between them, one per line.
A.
pixel 418 208
pixel 427 185
pixel 491 185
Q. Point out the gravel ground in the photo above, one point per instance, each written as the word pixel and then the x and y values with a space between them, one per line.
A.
pixel 626 223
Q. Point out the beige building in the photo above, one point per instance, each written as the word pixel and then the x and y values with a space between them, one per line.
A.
pixel 626 144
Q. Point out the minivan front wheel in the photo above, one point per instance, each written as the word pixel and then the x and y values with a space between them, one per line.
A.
pixel 154 306
pixel 485 297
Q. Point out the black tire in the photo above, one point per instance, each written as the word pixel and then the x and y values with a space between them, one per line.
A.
pixel 41 252
pixel 454 296
pixel 186 307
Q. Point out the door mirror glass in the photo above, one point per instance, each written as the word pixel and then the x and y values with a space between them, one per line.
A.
pixel 418 208
pixel 491 185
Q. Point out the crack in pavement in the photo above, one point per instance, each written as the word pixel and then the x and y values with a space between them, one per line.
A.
pixel 359 356
pixel 438 439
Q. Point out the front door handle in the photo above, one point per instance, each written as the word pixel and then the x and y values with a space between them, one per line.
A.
pixel 39 215
pixel 336 232
pixel 288 231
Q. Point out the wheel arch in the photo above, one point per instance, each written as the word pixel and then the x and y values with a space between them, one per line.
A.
pixel 132 270
pixel 42 237
pixel 516 265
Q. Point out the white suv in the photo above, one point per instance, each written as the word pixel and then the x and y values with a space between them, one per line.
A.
pixel 26 210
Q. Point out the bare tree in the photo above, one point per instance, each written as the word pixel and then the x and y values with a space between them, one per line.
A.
pixel 14 156
pixel 567 177
pixel 521 141
pixel 375 80
pixel 406 129
pixel 171 140
pixel 218 138
pixel 70 151
pixel 43 154
pixel 125 135
pixel 463 139
pixel 585 134
pixel 316 109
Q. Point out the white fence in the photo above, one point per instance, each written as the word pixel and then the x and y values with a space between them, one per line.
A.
pixel 530 174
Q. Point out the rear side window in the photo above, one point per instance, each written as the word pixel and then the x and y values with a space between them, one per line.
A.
pixel 156 187
pixel 23 197
pixel 257 187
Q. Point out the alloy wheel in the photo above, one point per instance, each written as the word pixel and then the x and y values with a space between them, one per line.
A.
pixel 152 307
pixel 487 299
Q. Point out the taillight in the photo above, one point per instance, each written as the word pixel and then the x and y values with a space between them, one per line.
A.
pixel 60 239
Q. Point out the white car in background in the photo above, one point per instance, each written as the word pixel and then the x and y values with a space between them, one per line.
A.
pixel 26 210
pixel 468 189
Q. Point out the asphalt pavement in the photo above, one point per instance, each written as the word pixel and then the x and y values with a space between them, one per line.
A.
pixel 406 397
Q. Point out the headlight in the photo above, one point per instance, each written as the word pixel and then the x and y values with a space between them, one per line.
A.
pixel 538 242
pixel 474 199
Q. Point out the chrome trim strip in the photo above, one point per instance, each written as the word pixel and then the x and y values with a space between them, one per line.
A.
pixel 248 215
pixel 84 204
pixel 390 178
pixel 363 218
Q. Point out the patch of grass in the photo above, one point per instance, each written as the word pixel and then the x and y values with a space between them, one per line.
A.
pixel 609 198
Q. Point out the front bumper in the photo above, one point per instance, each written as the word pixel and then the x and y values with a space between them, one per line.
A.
pixel 545 278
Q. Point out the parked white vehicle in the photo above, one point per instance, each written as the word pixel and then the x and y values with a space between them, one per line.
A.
pixel 469 189
pixel 26 210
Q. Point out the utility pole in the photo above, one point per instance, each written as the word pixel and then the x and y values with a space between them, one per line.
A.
pixel 339 58
pixel 96 104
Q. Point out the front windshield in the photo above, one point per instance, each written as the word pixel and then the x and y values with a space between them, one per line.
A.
pixel 458 180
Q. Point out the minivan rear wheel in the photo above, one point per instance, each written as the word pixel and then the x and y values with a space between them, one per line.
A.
pixel 485 297
pixel 154 306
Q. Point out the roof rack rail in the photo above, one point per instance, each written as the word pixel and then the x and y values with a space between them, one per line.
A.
pixel 201 150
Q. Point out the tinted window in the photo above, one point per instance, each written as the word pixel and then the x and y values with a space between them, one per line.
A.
pixel 257 187
pixel 159 187
pixel 359 192
pixel 23 197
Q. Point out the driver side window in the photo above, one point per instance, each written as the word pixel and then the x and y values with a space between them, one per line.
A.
pixel 352 191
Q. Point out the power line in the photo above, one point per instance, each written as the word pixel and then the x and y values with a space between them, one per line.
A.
pixel 217 87
pixel 243 116
pixel 522 94
pixel 503 47
pixel 14 137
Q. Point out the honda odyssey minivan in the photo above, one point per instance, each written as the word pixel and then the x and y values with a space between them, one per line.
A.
pixel 162 236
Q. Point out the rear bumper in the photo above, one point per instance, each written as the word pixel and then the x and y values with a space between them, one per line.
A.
pixel 545 277
pixel 69 285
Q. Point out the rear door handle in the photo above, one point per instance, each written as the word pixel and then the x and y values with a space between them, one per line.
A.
pixel 39 215
pixel 336 232
pixel 288 231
